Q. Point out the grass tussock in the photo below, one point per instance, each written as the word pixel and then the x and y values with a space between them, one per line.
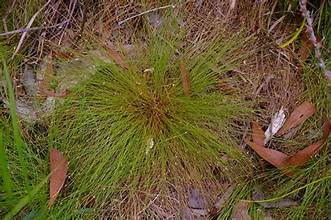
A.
pixel 134 130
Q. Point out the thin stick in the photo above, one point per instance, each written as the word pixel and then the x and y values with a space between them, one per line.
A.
pixel 146 12
pixel 71 12
pixel 30 29
pixel 20 43
pixel 312 37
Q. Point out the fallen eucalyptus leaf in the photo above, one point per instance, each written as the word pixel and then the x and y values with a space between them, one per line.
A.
pixel 59 168
pixel 221 200
pixel 155 19
pixel 116 56
pixel 257 134
pixel 282 160
pixel 301 157
pixel 24 109
pixel 29 81
pixel 241 211
pixel 297 117
pixel 195 199
pixel 276 158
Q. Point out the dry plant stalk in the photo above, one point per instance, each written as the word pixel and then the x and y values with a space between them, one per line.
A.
pixel 185 78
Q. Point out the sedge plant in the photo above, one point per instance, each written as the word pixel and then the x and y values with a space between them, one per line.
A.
pixel 133 136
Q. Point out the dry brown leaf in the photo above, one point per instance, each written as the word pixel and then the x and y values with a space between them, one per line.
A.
pixel 257 134
pixel 232 4
pixel 328 76
pixel 185 78
pixel 276 158
pixel 117 57
pixel 241 211
pixel 59 168
pixel 64 55
pixel 301 157
pixel 258 138
pixel 282 160
pixel 225 86
pixel 306 47
pixel 298 116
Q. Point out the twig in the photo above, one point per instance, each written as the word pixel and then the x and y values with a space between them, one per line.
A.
pixel 28 26
pixel 30 29
pixel 82 26
pixel 4 19
pixel 72 9
pixel 146 12
pixel 312 37
pixel 276 23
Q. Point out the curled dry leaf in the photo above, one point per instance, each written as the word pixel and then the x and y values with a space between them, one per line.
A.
pixel 221 200
pixel 306 47
pixel 185 78
pixel 328 76
pixel 232 5
pixel 301 157
pixel 257 134
pixel 277 122
pixel 241 211
pixel 282 160
pixel 59 168
pixel 258 137
pixel 117 57
pixel 298 116
pixel 195 199
pixel 276 158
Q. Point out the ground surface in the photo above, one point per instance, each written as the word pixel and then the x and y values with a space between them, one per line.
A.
pixel 197 74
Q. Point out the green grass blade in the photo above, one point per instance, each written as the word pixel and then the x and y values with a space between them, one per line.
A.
pixel 289 193
pixel 7 181
pixel 25 200
pixel 19 143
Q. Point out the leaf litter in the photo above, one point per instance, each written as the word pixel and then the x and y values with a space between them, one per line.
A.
pixel 280 159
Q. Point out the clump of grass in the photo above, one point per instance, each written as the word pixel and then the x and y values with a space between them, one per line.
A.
pixel 131 133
